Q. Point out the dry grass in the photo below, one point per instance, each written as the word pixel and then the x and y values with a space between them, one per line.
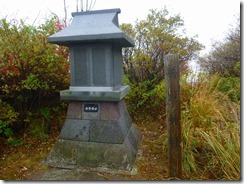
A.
pixel 211 133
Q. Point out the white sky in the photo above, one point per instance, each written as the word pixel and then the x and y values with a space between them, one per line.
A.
pixel 209 19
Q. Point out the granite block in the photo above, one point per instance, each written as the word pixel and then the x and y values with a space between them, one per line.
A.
pixel 115 156
pixel 124 126
pixel 110 111
pixel 134 138
pixel 75 130
pixel 63 154
pixel 89 154
pixel 106 132
pixel 74 110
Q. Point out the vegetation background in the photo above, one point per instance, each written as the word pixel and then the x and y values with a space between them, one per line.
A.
pixel 32 72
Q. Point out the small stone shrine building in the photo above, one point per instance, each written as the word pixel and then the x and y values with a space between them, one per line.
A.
pixel 98 131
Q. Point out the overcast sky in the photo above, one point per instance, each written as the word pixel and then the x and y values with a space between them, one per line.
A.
pixel 209 19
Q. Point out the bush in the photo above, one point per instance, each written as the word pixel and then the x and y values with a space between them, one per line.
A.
pixel 224 57
pixel 31 69
pixel 231 87
pixel 8 117
pixel 156 36
pixel 146 103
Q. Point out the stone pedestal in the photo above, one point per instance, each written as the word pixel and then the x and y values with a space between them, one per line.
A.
pixel 96 134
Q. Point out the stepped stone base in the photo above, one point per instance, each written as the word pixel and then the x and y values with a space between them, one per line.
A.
pixel 96 134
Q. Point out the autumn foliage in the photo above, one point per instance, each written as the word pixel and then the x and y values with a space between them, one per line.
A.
pixel 31 69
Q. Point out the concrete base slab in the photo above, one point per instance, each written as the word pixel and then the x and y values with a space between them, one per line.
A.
pixel 66 174
pixel 84 174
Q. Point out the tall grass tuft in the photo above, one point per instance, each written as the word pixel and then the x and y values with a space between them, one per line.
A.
pixel 210 132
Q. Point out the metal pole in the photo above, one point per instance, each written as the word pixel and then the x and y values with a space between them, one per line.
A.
pixel 76 5
pixel 81 6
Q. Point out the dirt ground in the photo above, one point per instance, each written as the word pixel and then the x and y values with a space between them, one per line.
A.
pixel 25 162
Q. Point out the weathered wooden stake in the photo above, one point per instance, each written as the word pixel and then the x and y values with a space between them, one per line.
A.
pixel 171 65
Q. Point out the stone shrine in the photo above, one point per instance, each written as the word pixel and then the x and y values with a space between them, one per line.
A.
pixel 98 131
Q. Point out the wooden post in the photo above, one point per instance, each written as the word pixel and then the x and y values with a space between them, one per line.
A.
pixel 171 65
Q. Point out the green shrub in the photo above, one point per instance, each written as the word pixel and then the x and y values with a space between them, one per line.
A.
pixel 146 103
pixel 231 87
pixel 32 71
pixel 8 117
pixel 39 123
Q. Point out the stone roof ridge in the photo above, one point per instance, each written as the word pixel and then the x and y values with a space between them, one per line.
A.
pixel 117 10
pixel 93 26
